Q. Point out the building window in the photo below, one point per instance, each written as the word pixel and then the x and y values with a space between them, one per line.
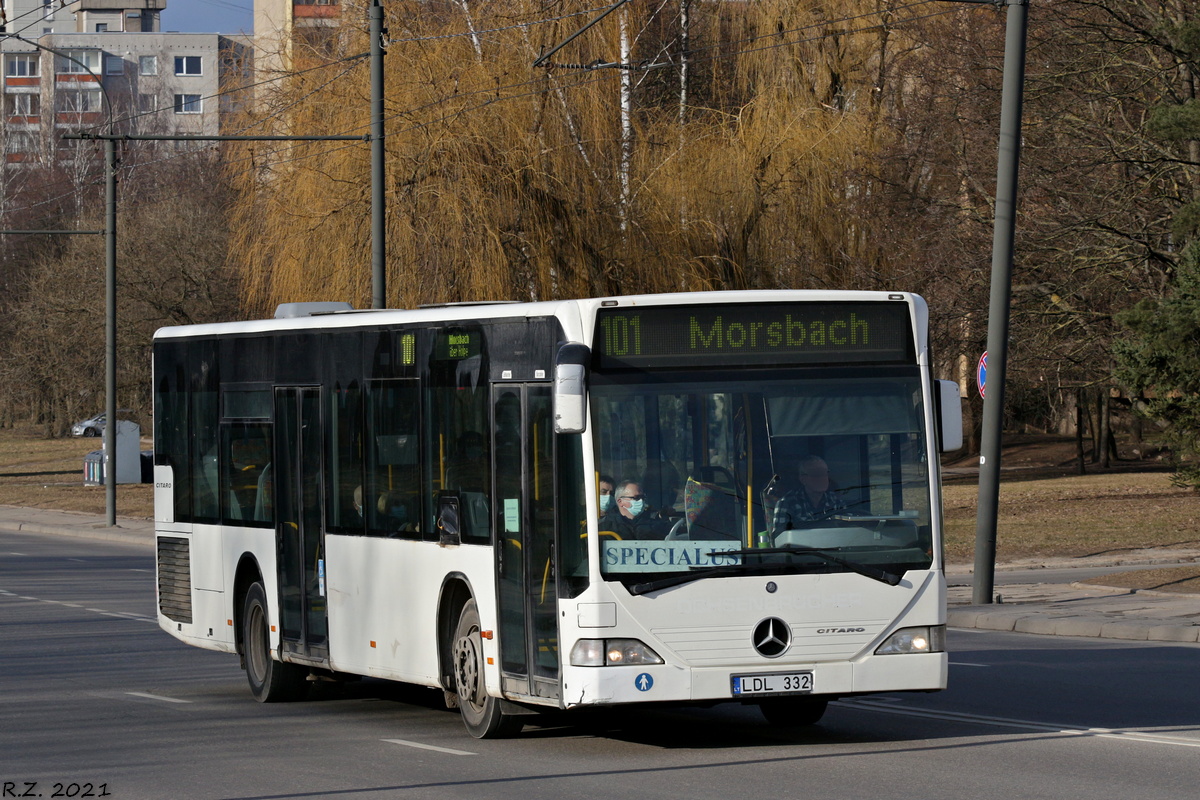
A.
pixel 19 142
pixel 147 103
pixel 21 66
pixel 114 65
pixel 147 65
pixel 23 105
pixel 187 104
pixel 79 62
pixel 187 65
pixel 78 102
pixel 101 27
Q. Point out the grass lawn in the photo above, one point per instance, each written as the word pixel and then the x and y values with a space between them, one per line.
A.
pixel 48 473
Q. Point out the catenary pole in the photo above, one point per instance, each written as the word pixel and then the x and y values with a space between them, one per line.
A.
pixel 1008 162
pixel 378 216
pixel 110 330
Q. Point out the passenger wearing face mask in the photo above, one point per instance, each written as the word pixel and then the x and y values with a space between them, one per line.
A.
pixel 607 485
pixel 394 513
pixel 631 516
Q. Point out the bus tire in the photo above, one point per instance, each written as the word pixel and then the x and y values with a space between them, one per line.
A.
pixel 270 681
pixel 481 713
pixel 793 712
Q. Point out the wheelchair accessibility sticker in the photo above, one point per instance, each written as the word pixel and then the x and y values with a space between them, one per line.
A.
pixel 643 682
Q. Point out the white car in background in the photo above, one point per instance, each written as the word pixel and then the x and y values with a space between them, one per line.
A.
pixel 93 426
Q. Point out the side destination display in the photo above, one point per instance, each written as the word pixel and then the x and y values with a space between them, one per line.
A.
pixel 779 333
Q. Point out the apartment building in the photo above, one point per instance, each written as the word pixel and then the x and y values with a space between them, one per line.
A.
pixel 282 27
pixel 79 65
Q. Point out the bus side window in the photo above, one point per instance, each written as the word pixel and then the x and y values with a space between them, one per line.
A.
pixel 246 474
pixel 390 496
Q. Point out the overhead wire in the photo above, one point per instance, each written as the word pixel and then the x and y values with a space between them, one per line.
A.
pixel 328 149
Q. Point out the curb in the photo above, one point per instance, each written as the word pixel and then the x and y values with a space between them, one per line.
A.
pixel 98 532
pixel 1047 621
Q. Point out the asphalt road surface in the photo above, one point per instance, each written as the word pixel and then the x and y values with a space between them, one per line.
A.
pixel 96 701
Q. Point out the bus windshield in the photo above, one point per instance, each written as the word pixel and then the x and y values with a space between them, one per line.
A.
pixel 761 472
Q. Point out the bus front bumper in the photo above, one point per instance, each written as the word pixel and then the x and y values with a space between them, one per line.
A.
pixel 665 683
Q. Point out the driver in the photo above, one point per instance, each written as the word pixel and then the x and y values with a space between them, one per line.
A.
pixel 815 499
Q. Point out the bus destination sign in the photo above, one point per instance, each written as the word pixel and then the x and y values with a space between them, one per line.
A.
pixel 759 333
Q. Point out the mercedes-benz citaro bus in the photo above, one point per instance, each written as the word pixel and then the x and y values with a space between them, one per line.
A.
pixel 414 495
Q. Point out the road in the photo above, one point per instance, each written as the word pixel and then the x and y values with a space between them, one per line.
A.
pixel 94 693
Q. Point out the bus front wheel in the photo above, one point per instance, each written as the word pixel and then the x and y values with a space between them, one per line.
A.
pixel 271 681
pixel 793 712
pixel 481 713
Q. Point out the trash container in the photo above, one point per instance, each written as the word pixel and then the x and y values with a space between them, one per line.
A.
pixel 93 468
pixel 129 456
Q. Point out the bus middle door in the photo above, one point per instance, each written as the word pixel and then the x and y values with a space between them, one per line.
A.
pixel 300 538
pixel 523 444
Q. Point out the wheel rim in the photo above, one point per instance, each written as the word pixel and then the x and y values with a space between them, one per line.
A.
pixel 466 669
pixel 256 644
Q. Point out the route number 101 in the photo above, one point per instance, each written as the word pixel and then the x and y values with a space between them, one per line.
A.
pixel 622 335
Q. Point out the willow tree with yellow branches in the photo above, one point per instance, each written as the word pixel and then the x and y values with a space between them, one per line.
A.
pixel 743 163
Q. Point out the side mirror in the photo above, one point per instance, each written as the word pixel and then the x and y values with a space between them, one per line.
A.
pixel 949 416
pixel 570 388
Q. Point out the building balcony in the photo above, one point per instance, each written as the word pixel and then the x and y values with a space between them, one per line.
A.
pixel 314 11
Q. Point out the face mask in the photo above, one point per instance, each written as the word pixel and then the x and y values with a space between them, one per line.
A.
pixel 399 513
pixel 636 506
pixel 605 502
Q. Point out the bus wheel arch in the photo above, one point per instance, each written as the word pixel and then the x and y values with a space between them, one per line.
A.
pixel 248 574
pixel 456 592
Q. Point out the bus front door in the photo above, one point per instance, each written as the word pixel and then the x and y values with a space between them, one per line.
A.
pixel 299 536
pixel 523 444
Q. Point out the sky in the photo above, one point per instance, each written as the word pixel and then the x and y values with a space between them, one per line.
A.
pixel 209 16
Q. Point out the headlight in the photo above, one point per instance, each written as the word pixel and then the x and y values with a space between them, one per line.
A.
pixel 611 653
pixel 914 640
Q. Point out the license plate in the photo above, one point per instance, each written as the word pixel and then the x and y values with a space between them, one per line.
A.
pixel 775 683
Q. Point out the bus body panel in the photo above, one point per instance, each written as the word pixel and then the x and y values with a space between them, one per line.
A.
pixel 383 622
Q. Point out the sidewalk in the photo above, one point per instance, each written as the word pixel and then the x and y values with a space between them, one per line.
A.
pixel 14 519
pixel 1056 609
pixel 1076 609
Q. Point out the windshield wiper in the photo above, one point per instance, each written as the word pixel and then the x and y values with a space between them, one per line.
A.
pixel 688 577
pixel 867 571
pixel 874 573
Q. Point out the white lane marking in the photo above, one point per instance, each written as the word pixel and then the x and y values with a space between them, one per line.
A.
pixel 101 611
pixel 967 664
pixel 421 746
pixel 157 697
pixel 1004 722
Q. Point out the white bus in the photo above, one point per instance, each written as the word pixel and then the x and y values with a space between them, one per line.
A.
pixel 414 495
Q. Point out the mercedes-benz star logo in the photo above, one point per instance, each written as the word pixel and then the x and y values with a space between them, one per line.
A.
pixel 772 637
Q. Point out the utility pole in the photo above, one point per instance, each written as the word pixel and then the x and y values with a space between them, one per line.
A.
pixel 378 216
pixel 1007 165
pixel 110 329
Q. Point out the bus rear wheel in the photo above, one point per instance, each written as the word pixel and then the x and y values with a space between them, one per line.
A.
pixel 270 681
pixel 481 713
pixel 793 712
